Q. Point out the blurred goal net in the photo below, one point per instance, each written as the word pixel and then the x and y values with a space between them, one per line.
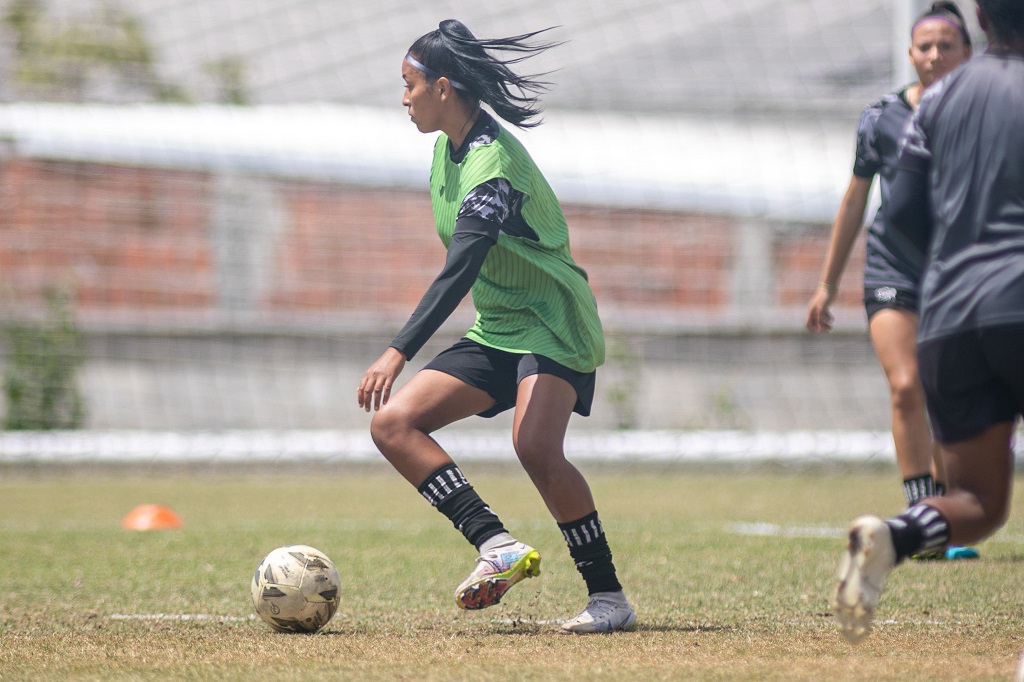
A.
pixel 232 205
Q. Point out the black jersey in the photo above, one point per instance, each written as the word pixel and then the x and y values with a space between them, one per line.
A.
pixel 968 137
pixel 891 259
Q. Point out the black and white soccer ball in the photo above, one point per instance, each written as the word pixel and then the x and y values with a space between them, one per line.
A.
pixel 295 589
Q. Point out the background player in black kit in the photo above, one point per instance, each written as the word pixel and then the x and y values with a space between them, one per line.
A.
pixel 959 190
pixel 939 42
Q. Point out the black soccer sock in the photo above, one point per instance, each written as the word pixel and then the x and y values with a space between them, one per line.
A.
pixel 919 530
pixel 588 547
pixel 449 491
pixel 916 488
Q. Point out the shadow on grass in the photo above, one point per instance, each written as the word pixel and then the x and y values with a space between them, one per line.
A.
pixel 686 627
pixel 535 628
pixel 522 628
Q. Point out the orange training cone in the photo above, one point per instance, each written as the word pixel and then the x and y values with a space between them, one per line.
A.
pixel 151 517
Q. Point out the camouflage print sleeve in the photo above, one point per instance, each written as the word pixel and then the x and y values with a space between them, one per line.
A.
pixel 494 201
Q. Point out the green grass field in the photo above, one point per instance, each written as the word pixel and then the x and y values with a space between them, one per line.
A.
pixel 729 571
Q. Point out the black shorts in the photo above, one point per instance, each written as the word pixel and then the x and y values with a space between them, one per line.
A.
pixel 499 372
pixel 895 298
pixel 973 380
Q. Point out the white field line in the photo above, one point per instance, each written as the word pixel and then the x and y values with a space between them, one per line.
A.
pixel 775 530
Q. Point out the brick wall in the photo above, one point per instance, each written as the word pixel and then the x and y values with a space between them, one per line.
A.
pixel 121 237
pixel 143 239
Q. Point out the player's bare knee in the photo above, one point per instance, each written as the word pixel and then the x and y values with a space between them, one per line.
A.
pixel 997 513
pixel 993 504
pixel 906 393
pixel 540 459
pixel 387 426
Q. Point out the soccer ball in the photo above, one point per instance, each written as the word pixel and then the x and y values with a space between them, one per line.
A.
pixel 295 589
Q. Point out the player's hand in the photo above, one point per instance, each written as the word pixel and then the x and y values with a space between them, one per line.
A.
pixel 819 317
pixel 375 388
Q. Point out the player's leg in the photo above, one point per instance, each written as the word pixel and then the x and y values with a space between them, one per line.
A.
pixel 893 334
pixel 430 400
pixel 953 551
pixel 975 384
pixel 975 387
pixel 401 430
pixel 465 379
pixel 975 506
pixel 977 502
pixel 543 407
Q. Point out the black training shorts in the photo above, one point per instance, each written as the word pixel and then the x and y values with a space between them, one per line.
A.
pixel 886 297
pixel 973 380
pixel 499 372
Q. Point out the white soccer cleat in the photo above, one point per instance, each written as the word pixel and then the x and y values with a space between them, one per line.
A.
pixel 605 612
pixel 496 571
pixel 869 558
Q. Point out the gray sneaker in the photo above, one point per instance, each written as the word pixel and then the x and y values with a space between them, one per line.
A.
pixel 605 612
pixel 869 558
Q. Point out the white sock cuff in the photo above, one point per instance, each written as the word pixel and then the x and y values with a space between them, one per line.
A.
pixel 496 541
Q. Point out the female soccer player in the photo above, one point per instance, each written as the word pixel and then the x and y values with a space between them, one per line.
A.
pixel 959 191
pixel 939 43
pixel 537 339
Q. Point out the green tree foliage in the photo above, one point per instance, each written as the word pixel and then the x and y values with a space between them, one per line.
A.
pixel 228 75
pixel 40 374
pixel 105 51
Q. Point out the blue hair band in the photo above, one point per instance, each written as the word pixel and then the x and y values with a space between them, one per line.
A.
pixel 434 74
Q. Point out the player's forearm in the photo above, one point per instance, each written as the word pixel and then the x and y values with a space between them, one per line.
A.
pixel 466 255
pixel 848 221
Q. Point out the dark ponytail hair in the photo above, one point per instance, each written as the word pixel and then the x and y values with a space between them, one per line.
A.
pixel 455 53
pixel 1005 18
pixel 947 11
